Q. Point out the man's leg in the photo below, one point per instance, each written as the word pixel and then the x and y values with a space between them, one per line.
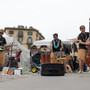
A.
pixel 80 66
pixel 65 66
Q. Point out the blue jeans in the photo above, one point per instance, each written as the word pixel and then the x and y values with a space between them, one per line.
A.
pixel 85 66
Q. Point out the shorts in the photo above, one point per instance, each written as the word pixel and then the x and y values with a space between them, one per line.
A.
pixel 82 54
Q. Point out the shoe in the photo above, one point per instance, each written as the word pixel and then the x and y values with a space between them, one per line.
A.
pixel 85 71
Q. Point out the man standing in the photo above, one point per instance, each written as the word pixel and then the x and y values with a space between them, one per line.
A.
pixel 57 46
pixel 82 37
pixel 2 43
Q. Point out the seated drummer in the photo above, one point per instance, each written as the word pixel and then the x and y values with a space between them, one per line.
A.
pixel 57 46
pixel 2 39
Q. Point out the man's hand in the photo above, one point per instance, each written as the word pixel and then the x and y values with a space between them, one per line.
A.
pixel 88 43
pixel 60 49
pixel 80 42
pixel 84 43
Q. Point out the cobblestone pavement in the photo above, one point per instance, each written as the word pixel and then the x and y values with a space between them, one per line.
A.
pixel 37 82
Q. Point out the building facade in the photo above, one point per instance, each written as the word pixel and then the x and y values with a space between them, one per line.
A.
pixel 26 36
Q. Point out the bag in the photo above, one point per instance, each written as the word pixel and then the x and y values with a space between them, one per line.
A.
pixel 17 72
pixel 25 71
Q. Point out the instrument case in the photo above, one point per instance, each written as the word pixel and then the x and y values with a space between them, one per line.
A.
pixel 52 70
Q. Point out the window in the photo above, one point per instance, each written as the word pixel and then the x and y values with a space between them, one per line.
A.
pixel 20 33
pixel 20 39
pixel 11 32
pixel 30 33
pixel 29 40
pixel 36 35
pixel 40 38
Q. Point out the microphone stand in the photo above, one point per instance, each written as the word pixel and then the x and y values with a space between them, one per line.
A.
pixel 11 55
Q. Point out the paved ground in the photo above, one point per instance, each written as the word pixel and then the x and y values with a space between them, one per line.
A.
pixel 37 82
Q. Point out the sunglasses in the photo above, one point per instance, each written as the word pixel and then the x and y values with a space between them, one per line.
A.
pixel 82 28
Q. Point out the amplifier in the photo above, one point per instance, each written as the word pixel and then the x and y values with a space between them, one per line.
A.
pixel 52 70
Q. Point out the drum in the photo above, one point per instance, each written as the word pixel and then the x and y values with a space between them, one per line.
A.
pixel 2 58
pixel 57 57
pixel 52 56
pixel 45 58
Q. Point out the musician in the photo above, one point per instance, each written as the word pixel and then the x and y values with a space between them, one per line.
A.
pixel 82 37
pixel 2 43
pixel 57 46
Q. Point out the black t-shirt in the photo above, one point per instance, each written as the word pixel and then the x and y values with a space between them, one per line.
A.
pixel 2 41
pixel 58 48
pixel 83 38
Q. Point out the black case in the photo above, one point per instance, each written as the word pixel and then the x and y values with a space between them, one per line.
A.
pixel 52 70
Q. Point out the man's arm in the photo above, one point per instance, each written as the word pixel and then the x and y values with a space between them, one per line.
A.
pixel 61 46
pixel 84 43
pixel 51 46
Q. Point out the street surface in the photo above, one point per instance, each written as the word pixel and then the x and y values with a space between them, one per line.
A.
pixel 38 82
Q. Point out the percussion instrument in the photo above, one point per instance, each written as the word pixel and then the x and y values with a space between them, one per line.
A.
pixel 59 57
pixel 45 55
pixel 45 58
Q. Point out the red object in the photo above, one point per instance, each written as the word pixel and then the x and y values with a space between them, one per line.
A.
pixel 88 53
pixel 88 57
pixel 11 71
pixel 17 57
pixel 45 58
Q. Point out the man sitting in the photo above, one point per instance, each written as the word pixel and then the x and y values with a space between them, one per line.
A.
pixel 57 46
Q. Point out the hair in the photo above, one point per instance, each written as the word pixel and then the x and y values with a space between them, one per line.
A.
pixel 2 31
pixel 82 26
pixel 55 34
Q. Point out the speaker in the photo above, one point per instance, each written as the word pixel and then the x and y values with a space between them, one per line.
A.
pixel 52 70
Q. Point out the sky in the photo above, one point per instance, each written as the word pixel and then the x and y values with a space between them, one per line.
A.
pixel 48 16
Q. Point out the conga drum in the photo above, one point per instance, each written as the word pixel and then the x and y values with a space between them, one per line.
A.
pixel 52 57
pixel 45 58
